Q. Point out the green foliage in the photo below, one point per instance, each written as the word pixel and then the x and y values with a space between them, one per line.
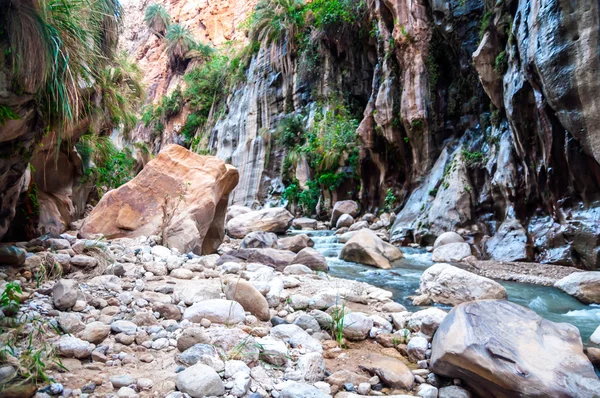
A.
pixel 472 158
pixel 275 21
pixel 501 63
pixel 121 93
pixel 486 20
pixel 9 300
pixel 290 132
pixel 70 41
pixel 433 192
pixel 105 165
pixel 7 114
pixel 337 323
pixel 333 135
pixel 336 12
pixel 157 18
pixel 390 199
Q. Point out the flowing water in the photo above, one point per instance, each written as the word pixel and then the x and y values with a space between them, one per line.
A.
pixel 403 280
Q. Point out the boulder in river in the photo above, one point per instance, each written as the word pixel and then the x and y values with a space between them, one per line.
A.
pixel 343 207
pixel 179 195
pixel 584 286
pixel 501 349
pixel 304 223
pixel 366 247
pixel 276 220
pixel 447 284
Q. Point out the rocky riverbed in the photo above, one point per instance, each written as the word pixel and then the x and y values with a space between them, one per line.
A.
pixel 262 318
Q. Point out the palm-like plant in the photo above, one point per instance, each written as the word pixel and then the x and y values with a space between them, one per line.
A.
pixel 179 42
pixel 56 47
pixel 121 93
pixel 157 18
pixel 277 23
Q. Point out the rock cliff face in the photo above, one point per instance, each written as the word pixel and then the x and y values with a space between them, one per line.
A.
pixel 478 117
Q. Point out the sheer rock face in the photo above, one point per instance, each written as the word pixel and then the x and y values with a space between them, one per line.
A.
pixel 501 349
pixel 179 195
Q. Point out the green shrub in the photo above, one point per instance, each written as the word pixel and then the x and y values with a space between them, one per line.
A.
pixel 501 63
pixel 486 20
pixel 7 114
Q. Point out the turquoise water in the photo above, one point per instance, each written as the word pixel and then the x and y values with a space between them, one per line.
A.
pixel 403 280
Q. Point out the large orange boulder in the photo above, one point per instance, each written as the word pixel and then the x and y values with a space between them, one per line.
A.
pixel 179 195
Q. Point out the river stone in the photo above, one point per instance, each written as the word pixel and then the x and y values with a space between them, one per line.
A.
pixel 200 381
pixel 391 371
pixel 495 348
pixel 198 292
pixel 236 210
pixel 312 259
pixel 366 247
pixel 122 326
pixel 70 322
pixel 12 255
pixel 356 326
pixel 259 240
pixel 343 207
pixel 312 367
pixel 584 286
pixel 304 223
pixel 81 260
pixel 276 220
pixel 167 311
pixel 451 252
pixel 453 392
pixel 72 347
pixel 122 381
pixel 417 348
pixel 216 311
pixel 446 238
pixel 64 294
pixel 344 221
pixel 595 337
pixel 158 269
pixel 190 337
pixel 297 269
pixel 273 351
pixel 295 336
pixel 306 322
pixel 182 273
pixel 250 299
pixel 446 284
pixel 294 389
pixel 202 353
pixel 95 332
pixel 295 243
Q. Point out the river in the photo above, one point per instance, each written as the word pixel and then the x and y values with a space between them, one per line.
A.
pixel 403 280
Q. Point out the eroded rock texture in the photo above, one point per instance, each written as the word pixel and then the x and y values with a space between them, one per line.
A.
pixel 179 196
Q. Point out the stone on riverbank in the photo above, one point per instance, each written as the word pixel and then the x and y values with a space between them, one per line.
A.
pixel 193 189
pixel 447 284
pixel 447 238
pixel 451 252
pixel 295 243
pixel 366 247
pixel 200 381
pixel 584 286
pixel 275 220
pixel 250 299
pixel 495 348
pixel 217 311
